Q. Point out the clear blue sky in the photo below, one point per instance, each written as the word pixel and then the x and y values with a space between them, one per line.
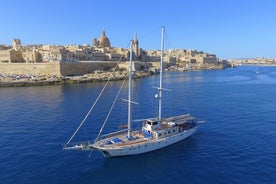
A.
pixel 228 28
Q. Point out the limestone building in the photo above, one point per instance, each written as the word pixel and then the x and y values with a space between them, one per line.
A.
pixel 30 55
pixel 11 56
pixel 135 47
pixel 139 54
pixel 102 41
pixel 16 44
pixel 102 50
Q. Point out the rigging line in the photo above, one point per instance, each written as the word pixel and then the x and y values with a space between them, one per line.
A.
pixel 83 121
pixel 170 96
pixel 111 108
pixel 168 41
pixel 90 110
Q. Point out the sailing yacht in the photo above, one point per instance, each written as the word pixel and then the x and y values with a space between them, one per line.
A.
pixel 154 134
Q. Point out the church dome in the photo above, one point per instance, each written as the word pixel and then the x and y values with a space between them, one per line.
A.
pixel 103 40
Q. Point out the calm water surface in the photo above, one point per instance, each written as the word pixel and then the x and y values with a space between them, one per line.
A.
pixel 235 145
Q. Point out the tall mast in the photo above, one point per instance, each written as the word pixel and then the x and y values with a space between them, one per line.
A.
pixel 161 76
pixel 130 91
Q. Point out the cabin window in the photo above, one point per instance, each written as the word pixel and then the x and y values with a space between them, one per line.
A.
pixel 173 130
pixel 160 135
pixel 169 132
pixel 152 122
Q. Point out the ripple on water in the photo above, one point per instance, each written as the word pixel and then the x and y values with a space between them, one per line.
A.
pixel 235 145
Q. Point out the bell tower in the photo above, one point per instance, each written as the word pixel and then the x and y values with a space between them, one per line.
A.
pixel 136 49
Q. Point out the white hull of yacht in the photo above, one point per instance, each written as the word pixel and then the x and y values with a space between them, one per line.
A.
pixel 147 146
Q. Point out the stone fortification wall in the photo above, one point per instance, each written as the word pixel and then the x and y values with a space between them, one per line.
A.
pixel 66 69
pixel 137 65
pixel 30 68
pixel 156 64
pixel 81 68
pixel 55 68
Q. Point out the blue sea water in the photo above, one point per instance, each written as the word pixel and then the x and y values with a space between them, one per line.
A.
pixel 237 144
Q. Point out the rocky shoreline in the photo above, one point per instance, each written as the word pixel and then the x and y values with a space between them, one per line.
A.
pixel 15 80
pixel 39 80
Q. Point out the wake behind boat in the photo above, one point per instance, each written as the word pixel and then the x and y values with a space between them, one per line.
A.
pixel 155 133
